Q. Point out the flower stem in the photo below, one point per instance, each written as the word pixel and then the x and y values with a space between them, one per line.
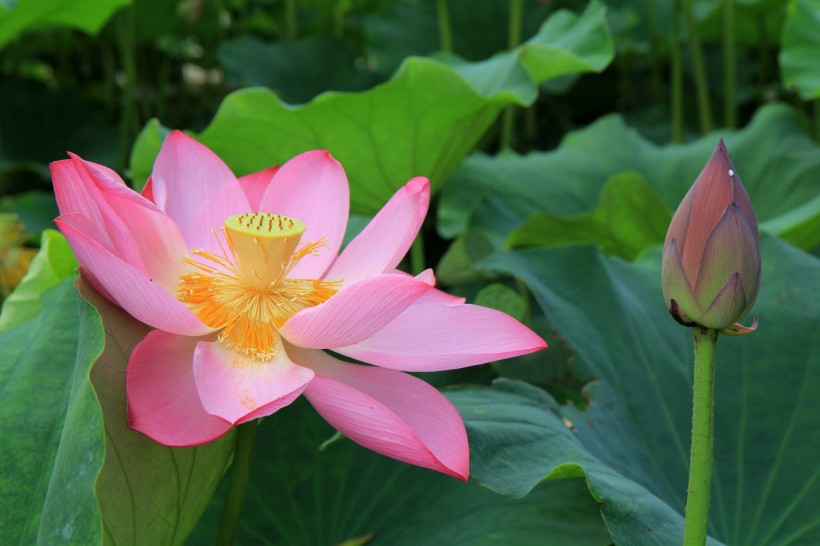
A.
pixel 730 109
pixel 703 421
pixel 701 85
pixel 513 39
pixel 240 473
pixel 445 34
pixel 290 19
pixel 677 79
pixel 417 262
pixel 816 106
pixel 129 122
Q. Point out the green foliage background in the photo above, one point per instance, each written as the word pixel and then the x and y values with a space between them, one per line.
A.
pixel 556 160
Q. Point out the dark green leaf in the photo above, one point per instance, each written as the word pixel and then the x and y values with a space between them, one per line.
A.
pixel 629 218
pixel 800 47
pixel 51 424
pixel 456 266
pixel 410 27
pixel 300 495
pixel 777 161
pixel 512 423
pixel 638 421
pixel 296 70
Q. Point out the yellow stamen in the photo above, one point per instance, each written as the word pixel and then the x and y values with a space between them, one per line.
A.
pixel 244 290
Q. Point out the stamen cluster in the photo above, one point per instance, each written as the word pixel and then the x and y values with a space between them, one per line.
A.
pixel 250 306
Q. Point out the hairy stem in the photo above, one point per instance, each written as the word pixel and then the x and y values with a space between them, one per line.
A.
pixel 703 426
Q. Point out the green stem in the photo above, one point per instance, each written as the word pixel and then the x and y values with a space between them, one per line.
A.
pixel 240 473
pixel 129 122
pixel 703 425
pixel 677 79
pixel 655 55
pixel 417 263
pixel 290 19
pixel 445 32
pixel 763 52
pixel 816 105
pixel 513 39
pixel 701 86
pixel 730 110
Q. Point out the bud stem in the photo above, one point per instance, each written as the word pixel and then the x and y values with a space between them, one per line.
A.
pixel 703 420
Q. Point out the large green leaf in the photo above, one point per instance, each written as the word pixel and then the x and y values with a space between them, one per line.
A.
pixel 801 48
pixel 73 474
pixel 778 163
pixel 629 217
pixel 50 423
pixel 767 424
pixel 88 15
pixel 566 44
pixel 300 495
pixel 514 422
pixel 147 493
pixel 420 123
pixel 53 263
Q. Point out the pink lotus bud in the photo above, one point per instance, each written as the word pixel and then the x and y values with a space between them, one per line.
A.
pixel 711 257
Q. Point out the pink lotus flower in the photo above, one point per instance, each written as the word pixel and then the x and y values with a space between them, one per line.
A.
pixel 242 281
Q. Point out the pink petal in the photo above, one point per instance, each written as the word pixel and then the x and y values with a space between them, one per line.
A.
pixel 312 187
pixel 725 308
pixel 383 243
pixel 163 402
pixel 239 389
pixel 77 193
pixel 676 285
pixel 433 335
pixel 195 188
pixel 74 192
pixel 155 235
pixel 255 185
pixel 731 247
pixel 355 312
pixel 389 412
pixel 130 288
pixel 738 329
pixel 148 191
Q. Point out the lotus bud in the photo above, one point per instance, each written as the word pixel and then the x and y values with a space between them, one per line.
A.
pixel 711 257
